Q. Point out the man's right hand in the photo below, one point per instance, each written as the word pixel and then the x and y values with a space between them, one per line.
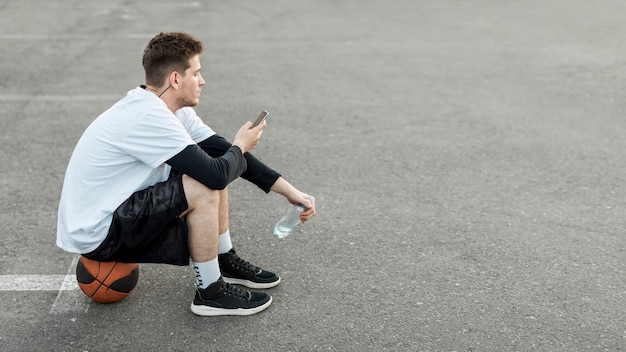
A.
pixel 248 137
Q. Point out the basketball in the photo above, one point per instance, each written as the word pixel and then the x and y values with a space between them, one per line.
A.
pixel 106 282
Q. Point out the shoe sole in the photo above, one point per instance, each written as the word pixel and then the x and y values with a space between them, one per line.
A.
pixel 207 311
pixel 250 284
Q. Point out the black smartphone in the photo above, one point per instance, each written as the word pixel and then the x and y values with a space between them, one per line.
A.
pixel 260 119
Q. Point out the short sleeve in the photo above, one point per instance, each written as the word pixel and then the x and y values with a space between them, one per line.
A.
pixel 155 138
pixel 193 124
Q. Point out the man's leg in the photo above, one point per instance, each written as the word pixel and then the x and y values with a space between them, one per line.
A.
pixel 213 295
pixel 201 217
pixel 225 244
pixel 235 270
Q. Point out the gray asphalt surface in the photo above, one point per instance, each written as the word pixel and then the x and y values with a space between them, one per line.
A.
pixel 467 158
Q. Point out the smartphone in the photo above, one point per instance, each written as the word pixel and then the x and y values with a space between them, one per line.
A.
pixel 260 119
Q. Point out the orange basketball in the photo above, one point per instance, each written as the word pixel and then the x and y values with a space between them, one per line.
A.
pixel 106 282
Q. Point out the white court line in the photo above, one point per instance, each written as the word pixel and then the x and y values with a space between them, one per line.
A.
pixel 95 97
pixel 26 36
pixel 68 299
pixel 36 282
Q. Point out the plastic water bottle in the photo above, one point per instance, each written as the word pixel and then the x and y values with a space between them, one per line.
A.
pixel 285 226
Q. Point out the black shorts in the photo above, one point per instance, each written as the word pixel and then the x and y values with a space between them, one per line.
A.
pixel 147 228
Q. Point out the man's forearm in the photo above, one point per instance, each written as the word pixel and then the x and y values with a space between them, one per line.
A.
pixel 257 172
pixel 215 173
pixel 282 187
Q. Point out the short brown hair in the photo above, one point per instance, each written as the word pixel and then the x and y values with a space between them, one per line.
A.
pixel 167 52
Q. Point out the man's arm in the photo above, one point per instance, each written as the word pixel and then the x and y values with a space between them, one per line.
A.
pixel 264 177
pixel 294 196
pixel 215 173
pixel 257 172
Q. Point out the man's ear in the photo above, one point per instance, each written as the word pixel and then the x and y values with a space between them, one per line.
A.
pixel 174 79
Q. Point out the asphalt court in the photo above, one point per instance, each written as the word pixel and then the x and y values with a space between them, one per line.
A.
pixel 467 159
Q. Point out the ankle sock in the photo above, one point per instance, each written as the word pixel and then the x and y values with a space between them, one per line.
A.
pixel 207 272
pixel 225 244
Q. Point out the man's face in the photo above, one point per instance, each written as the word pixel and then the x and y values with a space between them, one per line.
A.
pixel 191 84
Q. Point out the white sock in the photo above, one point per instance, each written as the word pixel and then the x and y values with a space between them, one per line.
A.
pixel 207 272
pixel 225 244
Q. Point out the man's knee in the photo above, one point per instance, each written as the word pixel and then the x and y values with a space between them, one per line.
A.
pixel 197 193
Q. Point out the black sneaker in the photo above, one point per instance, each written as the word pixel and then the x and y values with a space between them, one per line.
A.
pixel 221 298
pixel 237 271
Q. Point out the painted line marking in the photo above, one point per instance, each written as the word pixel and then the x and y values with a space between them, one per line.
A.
pixel 37 282
pixel 25 36
pixel 45 98
pixel 70 300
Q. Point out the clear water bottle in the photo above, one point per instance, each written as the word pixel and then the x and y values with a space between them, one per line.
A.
pixel 285 226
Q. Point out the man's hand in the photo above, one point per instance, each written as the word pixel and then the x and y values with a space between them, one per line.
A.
pixel 248 137
pixel 294 196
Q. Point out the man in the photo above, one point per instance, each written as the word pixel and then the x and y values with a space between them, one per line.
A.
pixel 147 183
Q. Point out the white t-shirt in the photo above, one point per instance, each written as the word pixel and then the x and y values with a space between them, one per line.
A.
pixel 124 150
